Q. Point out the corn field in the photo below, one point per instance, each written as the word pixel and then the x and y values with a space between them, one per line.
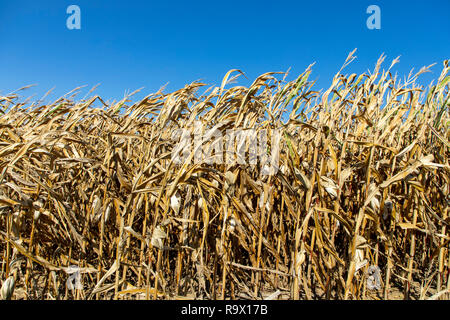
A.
pixel 93 205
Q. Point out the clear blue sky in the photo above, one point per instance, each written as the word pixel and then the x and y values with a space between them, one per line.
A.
pixel 125 45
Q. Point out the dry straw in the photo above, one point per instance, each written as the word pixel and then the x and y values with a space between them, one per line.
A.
pixel 363 181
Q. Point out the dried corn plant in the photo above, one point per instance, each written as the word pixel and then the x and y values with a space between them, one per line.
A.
pixel 91 196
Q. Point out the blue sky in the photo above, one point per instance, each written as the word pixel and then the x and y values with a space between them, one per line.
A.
pixel 125 45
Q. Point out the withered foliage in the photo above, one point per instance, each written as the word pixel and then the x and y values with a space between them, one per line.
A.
pixel 363 180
